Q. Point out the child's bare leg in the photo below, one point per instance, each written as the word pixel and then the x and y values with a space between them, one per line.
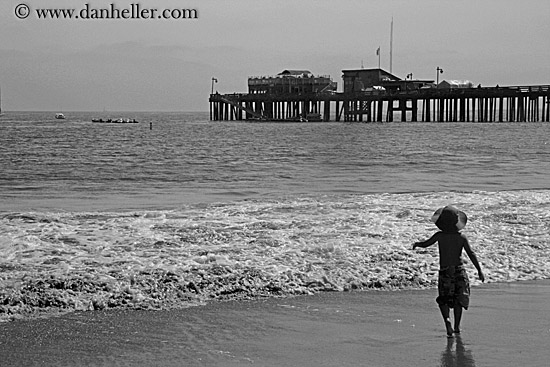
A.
pixel 446 318
pixel 458 317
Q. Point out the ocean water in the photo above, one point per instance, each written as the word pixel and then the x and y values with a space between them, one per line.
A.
pixel 177 210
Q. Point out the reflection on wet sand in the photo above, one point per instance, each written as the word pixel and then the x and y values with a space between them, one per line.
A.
pixel 457 357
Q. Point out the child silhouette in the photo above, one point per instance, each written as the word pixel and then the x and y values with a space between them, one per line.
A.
pixel 453 283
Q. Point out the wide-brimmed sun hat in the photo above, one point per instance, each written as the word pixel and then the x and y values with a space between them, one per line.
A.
pixel 449 219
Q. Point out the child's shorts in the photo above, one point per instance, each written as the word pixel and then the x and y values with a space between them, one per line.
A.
pixel 454 287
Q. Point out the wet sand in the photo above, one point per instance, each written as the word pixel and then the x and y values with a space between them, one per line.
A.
pixel 507 325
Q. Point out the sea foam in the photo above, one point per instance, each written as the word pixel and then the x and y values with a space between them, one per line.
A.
pixel 64 261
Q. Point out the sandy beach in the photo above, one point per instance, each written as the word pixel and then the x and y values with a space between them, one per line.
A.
pixel 507 325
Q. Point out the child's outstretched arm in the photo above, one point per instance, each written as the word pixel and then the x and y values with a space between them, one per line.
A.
pixel 428 242
pixel 473 257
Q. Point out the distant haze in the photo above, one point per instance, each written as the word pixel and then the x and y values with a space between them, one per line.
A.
pixel 167 65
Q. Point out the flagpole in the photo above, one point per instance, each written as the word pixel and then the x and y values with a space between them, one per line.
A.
pixel 391 45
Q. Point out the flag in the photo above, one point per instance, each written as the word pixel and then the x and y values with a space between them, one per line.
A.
pixel 378 51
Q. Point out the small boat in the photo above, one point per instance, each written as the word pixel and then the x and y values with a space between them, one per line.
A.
pixel 60 116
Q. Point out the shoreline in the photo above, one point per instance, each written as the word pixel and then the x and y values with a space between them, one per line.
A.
pixel 381 328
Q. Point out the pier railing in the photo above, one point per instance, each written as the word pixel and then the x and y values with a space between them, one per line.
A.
pixel 478 104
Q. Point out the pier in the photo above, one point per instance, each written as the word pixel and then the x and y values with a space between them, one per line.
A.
pixel 485 104
pixel 394 100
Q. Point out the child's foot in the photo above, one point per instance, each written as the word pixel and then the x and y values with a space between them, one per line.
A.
pixel 457 330
pixel 449 328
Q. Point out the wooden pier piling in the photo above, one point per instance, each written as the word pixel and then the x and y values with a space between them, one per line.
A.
pixel 487 104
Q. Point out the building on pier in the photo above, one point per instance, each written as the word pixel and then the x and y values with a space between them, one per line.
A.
pixel 359 80
pixel 365 80
pixel 452 84
pixel 291 82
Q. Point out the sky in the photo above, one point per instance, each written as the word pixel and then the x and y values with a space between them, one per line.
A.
pixel 168 64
